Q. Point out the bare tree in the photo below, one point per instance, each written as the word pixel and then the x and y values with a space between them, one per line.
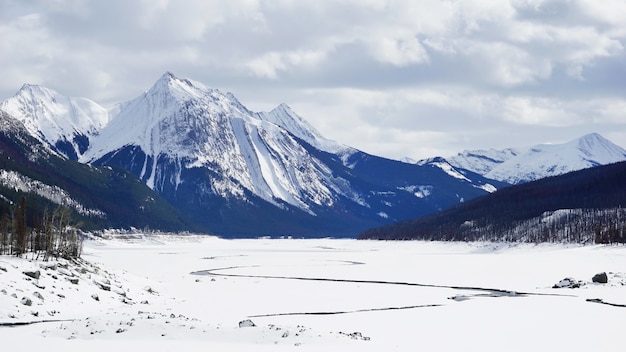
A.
pixel 20 233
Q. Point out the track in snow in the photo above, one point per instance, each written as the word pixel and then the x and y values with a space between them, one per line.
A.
pixel 496 292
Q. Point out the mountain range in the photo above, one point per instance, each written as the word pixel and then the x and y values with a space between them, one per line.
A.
pixel 236 172
pixel 225 169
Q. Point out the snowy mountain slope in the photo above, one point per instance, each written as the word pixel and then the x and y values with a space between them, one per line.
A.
pixel 483 161
pixel 98 197
pixel 55 194
pixel 522 165
pixel 65 123
pixel 286 118
pixel 458 172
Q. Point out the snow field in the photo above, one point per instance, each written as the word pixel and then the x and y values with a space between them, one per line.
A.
pixel 325 294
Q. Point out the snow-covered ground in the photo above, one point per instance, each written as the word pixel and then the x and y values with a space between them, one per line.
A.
pixel 193 293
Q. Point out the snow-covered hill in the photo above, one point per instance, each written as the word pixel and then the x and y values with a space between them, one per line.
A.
pixel 518 165
pixel 65 123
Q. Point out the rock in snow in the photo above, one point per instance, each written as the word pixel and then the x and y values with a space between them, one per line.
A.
pixel 33 274
pixel 246 324
pixel 568 282
pixel 26 301
pixel 600 278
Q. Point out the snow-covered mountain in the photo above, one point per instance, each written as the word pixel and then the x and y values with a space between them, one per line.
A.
pixel 239 172
pixel 519 165
pixel 179 125
pixel 64 123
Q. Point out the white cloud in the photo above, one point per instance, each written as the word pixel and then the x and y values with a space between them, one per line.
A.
pixel 537 111
pixel 413 77
pixel 398 51
pixel 611 12
pixel 271 64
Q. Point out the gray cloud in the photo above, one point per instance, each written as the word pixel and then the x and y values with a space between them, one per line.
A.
pixel 394 78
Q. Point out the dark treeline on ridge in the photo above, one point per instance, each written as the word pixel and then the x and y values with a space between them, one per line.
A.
pixel 581 206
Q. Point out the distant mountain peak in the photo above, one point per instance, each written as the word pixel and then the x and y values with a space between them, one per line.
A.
pixel 62 122
pixel 168 75
pixel 28 88
pixel 285 117
pixel 595 142
pixel 171 79
pixel 527 164
pixel 170 86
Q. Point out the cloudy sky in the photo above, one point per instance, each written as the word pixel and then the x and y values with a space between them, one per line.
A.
pixel 392 78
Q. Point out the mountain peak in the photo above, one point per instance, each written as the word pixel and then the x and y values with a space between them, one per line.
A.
pixel 593 135
pixel 33 91
pixel 592 139
pixel 598 149
pixel 27 87
pixel 285 117
pixel 284 108
pixel 168 75
pixel 168 80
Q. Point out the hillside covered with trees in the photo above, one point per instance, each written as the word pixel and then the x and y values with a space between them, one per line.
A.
pixel 581 206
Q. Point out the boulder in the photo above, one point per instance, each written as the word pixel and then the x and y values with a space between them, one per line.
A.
pixel 246 323
pixel 102 286
pixel 32 273
pixel 600 278
pixel 26 301
pixel 568 282
pixel 103 283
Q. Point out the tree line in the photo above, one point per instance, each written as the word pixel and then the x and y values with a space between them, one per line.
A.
pixel 46 235
pixel 601 226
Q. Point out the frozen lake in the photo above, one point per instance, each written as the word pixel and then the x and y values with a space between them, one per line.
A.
pixel 344 295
